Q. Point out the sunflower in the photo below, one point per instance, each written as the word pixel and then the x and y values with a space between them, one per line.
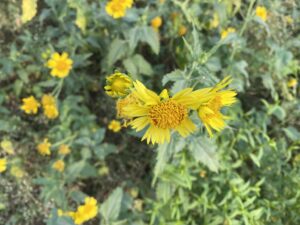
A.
pixel 160 114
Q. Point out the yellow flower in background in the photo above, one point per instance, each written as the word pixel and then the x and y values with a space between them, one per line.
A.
pixel 59 165
pixel 114 126
pixel 292 82
pixel 227 31
pixel 44 147
pixel 29 10
pixel 64 150
pixel 261 12
pixel 60 65
pixel 49 105
pixel 214 23
pixel 126 3
pixel 17 172
pixel 7 146
pixel 156 22
pixel 115 9
pixel 210 112
pixel 160 115
pixel 3 163
pixel 182 30
pixel 289 20
pixel 86 212
pixel 30 105
pixel 118 85
pixel 123 102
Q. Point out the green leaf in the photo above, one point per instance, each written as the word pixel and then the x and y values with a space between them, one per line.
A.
pixel 137 65
pixel 104 150
pixel 111 208
pixel 204 150
pixel 117 51
pixel 292 133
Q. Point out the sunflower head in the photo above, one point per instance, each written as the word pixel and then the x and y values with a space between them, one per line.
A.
pixel 118 85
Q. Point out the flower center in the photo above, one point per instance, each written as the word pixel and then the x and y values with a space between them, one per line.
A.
pixel 61 65
pixel 168 114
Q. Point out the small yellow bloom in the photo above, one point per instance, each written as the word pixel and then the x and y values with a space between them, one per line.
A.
pixel 59 165
pixel 261 12
pixel 214 23
pixel 3 163
pixel 60 65
pixel 156 22
pixel 49 105
pixel 289 20
pixel 210 112
pixel 30 105
pixel 118 85
pixel 64 149
pixel 114 126
pixel 86 212
pixel 226 32
pixel 7 146
pixel 44 147
pixel 48 100
pixel 17 172
pixel 138 205
pixel 115 9
pixel 123 102
pixel 182 30
pixel 29 10
pixel 292 82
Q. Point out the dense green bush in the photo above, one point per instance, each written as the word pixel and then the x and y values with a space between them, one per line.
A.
pixel 247 173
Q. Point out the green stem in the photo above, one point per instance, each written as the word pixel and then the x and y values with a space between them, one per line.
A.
pixel 69 138
pixel 58 88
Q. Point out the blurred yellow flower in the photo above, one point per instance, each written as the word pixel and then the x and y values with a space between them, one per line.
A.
pixel 261 12
pixel 123 102
pixel 138 205
pixel 44 147
pixel 3 163
pixel 214 23
pixel 289 20
pixel 29 10
pixel 160 114
pixel 60 65
pixel 126 3
pixel 226 32
pixel 182 30
pixel 30 105
pixel 86 212
pixel 156 22
pixel 59 165
pixel 292 82
pixel 115 126
pixel 7 146
pixel 17 172
pixel 64 149
pixel 210 112
pixel 115 9
pixel 118 85
pixel 49 105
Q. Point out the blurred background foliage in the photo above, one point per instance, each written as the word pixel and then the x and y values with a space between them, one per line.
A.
pixel 247 174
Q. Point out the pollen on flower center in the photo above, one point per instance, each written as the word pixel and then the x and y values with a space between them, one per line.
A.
pixel 62 65
pixel 168 114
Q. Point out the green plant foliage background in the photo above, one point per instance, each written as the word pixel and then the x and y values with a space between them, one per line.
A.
pixel 247 174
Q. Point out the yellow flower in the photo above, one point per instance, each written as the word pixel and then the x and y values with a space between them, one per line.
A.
pixel 49 105
pixel 118 85
pixel 182 30
pixel 3 163
pixel 214 23
pixel 226 32
pixel 156 22
pixel 44 147
pixel 7 146
pixel 261 12
pixel 59 165
pixel 87 211
pixel 292 82
pixel 160 115
pixel 51 112
pixel 29 10
pixel 115 9
pixel 123 102
pixel 64 149
pixel 289 20
pixel 115 126
pixel 209 112
pixel 126 3
pixel 60 65
pixel 17 172
pixel 30 105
